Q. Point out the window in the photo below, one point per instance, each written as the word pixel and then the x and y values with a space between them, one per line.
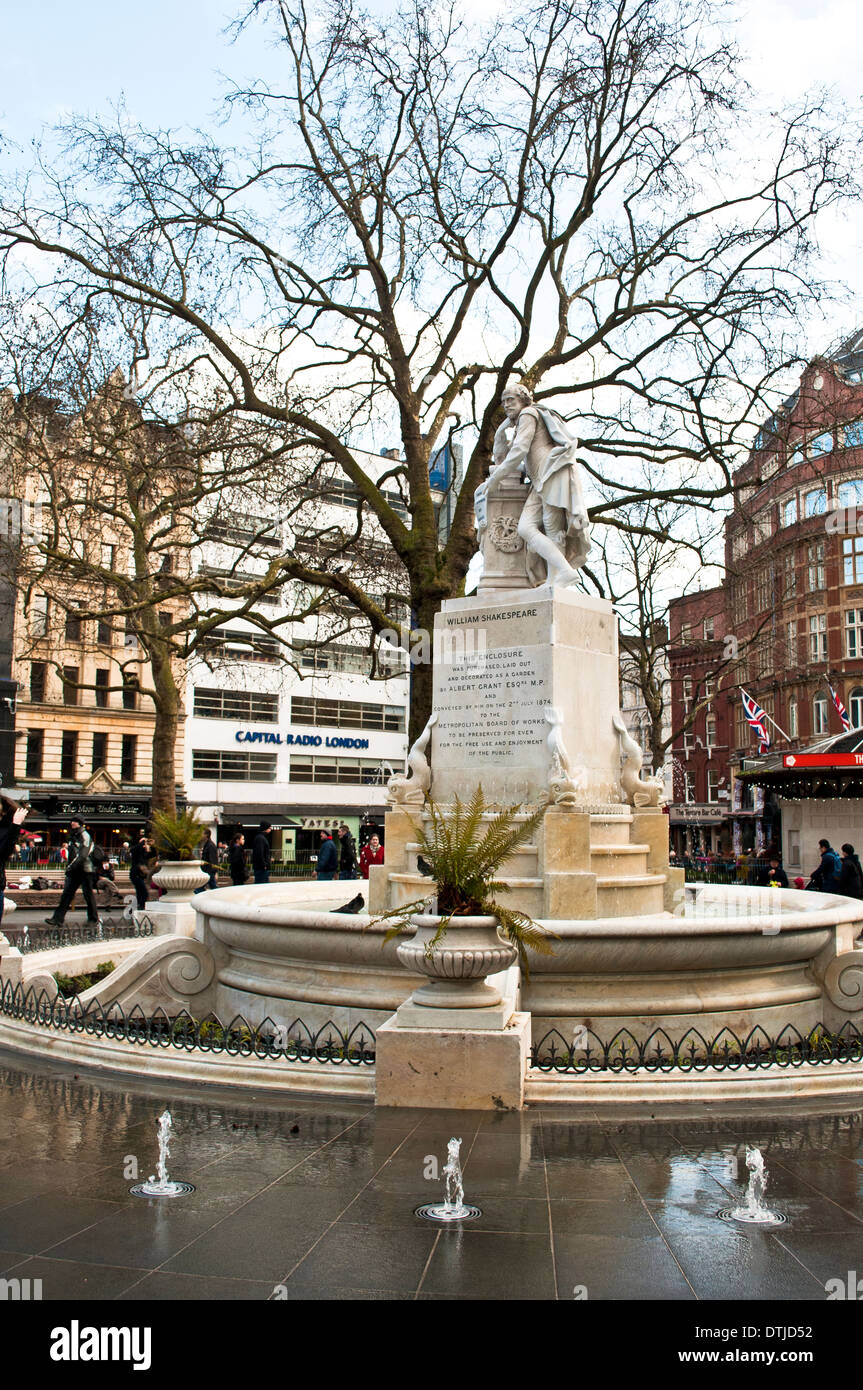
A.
pixel 102 680
pixel 789 511
pixel 821 444
pixel 762 590
pixel 855 707
pixel 104 633
pixel 100 751
pixel 796 456
pixel 238 645
pixel 789 574
pixel 70 685
pixel 854 632
pixel 250 706
pixel 35 747
pixel 347 714
pixel 165 617
pixel 129 757
pixel 852 560
pixel 815 566
pixel 818 637
pixel 69 755
pixel 39 615
pixel 685 634
pixel 687 690
pixel 793 721
pixel 712 784
pixel 708 629
pixel 815 503
pixel 710 730
pixel 739 603
pixel 355 772
pixel 850 494
pixel 74 627
pixel 765 660
pixel 709 688
pixel 852 435
pixel 38 671
pixel 130 692
pixel 109 557
pixel 819 713
pixel 214 765
pixel 791 643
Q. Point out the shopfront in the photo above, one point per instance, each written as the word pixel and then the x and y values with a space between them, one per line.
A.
pixel 113 821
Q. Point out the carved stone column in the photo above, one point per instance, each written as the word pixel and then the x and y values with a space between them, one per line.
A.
pixel 503 550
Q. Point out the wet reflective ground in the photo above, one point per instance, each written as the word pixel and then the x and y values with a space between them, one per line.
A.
pixel 315 1199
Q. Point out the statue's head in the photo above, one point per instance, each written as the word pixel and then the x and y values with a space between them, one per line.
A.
pixel 514 399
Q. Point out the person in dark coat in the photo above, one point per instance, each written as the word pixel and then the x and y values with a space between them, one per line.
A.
pixel 261 853
pixel 776 873
pixel 328 857
pixel 79 874
pixel 347 854
pixel 826 877
pixel 11 819
pixel 210 860
pixel 237 860
pixel 140 855
pixel 851 875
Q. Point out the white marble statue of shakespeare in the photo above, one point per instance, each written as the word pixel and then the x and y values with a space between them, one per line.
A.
pixel 553 522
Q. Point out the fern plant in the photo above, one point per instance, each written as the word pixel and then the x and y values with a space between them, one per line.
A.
pixel 463 862
pixel 176 837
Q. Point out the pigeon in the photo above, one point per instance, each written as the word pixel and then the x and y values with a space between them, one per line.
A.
pixel 355 905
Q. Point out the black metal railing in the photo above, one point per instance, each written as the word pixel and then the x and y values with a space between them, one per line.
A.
pixel 29 939
pixel 694 1052
pixel 266 1041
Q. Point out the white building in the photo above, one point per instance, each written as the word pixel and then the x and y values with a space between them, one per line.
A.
pixel 302 739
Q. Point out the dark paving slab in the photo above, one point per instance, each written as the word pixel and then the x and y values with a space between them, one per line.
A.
pixel 618 1267
pixel 733 1266
pixel 38 1223
pixel 67 1279
pixel 826 1255
pixel 473 1264
pixel 192 1288
pixel 358 1257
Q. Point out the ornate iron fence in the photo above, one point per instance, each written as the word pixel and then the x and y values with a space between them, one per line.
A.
pixel 29 939
pixel 694 1052
pixel 266 1041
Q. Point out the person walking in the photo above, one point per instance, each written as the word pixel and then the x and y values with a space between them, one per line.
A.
pixel 347 854
pixel 210 860
pixel 237 861
pixel 826 877
pixel 328 857
pixel 139 861
pixel 850 874
pixel 372 852
pixel 261 853
pixel 79 874
pixel 11 819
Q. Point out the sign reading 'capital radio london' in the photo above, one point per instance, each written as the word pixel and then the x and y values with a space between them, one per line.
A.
pixel 300 740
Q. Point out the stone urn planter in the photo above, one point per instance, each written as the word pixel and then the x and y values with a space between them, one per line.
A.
pixel 180 878
pixel 471 948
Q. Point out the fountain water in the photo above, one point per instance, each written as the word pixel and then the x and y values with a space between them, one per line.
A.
pixel 754 1212
pixel 162 1185
pixel 454 1208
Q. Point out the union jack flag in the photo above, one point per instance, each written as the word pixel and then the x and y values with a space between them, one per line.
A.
pixel 756 717
pixel 840 709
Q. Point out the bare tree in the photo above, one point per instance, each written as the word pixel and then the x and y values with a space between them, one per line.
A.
pixel 422 209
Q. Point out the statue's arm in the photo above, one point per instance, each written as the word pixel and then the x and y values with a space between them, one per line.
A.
pixel 518 449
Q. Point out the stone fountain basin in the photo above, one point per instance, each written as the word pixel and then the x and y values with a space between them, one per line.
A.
pixel 736 957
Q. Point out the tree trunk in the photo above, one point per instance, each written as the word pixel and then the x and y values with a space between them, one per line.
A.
pixel 167 706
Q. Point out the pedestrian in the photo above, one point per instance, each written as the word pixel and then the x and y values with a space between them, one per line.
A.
pixel 79 874
pixel 799 883
pixel 328 857
pixel 850 874
pixel 261 853
pixel 237 861
pixel 826 877
pixel 11 819
pixel 209 857
pixel 371 853
pixel 776 876
pixel 347 854
pixel 140 855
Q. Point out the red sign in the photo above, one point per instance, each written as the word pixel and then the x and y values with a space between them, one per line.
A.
pixel 793 760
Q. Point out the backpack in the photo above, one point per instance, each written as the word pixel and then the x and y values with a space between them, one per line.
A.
pixel 832 867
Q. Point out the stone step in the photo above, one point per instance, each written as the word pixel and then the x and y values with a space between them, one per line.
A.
pixel 629 880
pixel 522 862
pixel 610 830
pixel 634 895
pixel 618 860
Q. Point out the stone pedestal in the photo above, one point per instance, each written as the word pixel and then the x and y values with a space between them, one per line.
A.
pixel 452 1069
pixel 169 918
pixel 501 661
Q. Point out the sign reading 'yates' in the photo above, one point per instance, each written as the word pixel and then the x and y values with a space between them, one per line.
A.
pixel 300 740
pixel 822 760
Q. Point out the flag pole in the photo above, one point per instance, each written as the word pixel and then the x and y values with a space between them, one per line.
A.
pixel 776 726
